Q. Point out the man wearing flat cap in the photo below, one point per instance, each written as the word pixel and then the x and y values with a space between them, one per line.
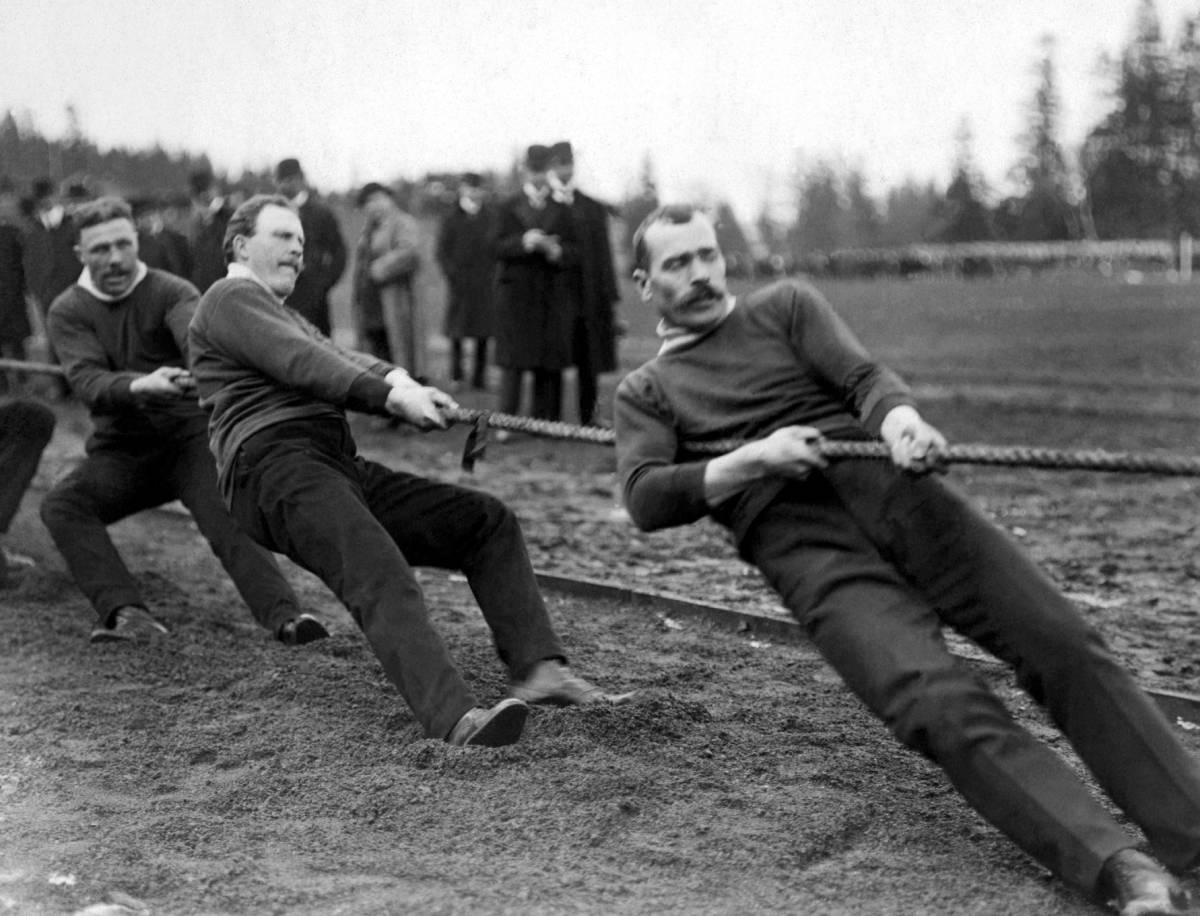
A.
pixel 591 282
pixel 324 247
pixel 535 245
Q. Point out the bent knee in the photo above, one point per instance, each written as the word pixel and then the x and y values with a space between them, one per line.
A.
pixel 941 712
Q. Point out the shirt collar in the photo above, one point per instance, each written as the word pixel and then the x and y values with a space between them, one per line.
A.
pixel 300 199
pixel 536 196
pixel 236 271
pixel 673 337
pixel 85 280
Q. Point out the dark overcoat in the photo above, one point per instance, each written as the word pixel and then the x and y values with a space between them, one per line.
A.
pixel 464 253
pixel 595 281
pixel 324 263
pixel 14 313
pixel 535 310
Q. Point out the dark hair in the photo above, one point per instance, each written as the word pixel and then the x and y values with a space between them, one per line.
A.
pixel 200 180
pixel 100 210
pixel 373 187
pixel 245 219
pixel 675 214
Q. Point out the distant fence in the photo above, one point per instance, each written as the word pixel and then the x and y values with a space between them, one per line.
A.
pixel 987 258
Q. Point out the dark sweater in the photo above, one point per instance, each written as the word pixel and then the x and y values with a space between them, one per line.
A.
pixel 103 346
pixel 781 358
pixel 258 363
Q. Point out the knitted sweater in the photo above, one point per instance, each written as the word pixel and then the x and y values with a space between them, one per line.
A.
pixel 104 346
pixel 258 363
pixel 782 357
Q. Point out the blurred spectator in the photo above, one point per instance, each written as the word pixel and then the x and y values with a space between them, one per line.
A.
pixel 386 260
pixel 158 245
pixel 465 257
pixel 592 282
pixel 50 262
pixel 535 320
pixel 324 247
pixel 25 429
pixel 206 229
pixel 14 309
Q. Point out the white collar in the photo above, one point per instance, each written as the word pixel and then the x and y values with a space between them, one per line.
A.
pixel 469 206
pixel 536 196
pixel 237 271
pixel 674 337
pixel 85 280
pixel 300 199
pixel 563 191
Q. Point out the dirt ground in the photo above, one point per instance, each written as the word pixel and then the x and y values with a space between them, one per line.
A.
pixel 217 772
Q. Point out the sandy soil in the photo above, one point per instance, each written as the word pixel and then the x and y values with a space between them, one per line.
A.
pixel 218 772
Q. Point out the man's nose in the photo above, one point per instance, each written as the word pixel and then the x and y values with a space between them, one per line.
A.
pixel 699 271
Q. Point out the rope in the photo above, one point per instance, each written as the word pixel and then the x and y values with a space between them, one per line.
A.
pixel 833 449
pixel 997 455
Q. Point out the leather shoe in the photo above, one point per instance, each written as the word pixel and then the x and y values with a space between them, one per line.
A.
pixel 493 727
pixel 129 624
pixel 551 681
pixel 1135 885
pixel 301 629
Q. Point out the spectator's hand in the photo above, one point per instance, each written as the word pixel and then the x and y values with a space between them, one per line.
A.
pixel 533 240
pixel 552 249
pixel 420 405
pixel 915 445
pixel 377 271
pixel 791 452
pixel 166 383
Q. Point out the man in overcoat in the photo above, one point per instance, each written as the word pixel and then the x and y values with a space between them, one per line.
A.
pixel 592 281
pixel 324 247
pixel 535 312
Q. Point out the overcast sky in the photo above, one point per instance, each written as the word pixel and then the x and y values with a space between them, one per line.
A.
pixel 722 94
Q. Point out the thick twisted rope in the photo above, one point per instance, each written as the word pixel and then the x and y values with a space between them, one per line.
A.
pixel 1002 455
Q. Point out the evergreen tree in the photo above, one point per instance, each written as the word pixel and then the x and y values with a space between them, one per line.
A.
pixel 820 212
pixel 1044 209
pixel 910 214
pixel 1129 160
pixel 963 216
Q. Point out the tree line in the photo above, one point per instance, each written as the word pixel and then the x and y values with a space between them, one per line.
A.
pixel 1135 176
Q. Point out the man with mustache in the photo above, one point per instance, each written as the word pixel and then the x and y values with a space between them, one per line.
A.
pixel 121 333
pixel 277 389
pixel 874 557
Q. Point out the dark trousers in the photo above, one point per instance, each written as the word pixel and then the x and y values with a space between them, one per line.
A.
pixel 25 430
pixel 300 489
pixel 872 562
pixel 479 361
pixel 547 393
pixel 587 385
pixel 116 481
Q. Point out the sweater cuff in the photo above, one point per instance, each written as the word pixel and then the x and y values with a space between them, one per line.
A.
pixel 874 420
pixel 689 483
pixel 368 394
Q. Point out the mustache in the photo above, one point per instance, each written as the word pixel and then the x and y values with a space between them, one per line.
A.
pixel 701 292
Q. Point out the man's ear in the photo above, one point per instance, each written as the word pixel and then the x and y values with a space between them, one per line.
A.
pixel 78 253
pixel 642 279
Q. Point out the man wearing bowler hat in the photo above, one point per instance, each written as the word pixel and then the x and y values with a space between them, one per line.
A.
pixel 324 247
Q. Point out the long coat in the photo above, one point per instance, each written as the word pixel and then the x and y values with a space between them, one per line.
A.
pixel 14 314
pixel 596 282
pixel 324 263
pixel 464 253
pixel 535 310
